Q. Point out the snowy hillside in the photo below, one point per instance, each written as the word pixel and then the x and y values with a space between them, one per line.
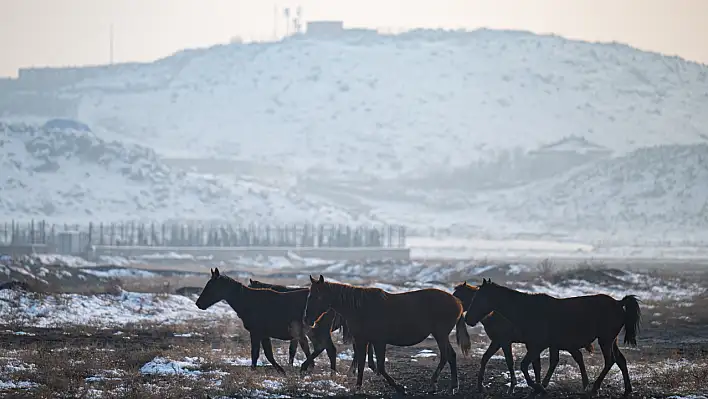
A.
pixel 649 190
pixel 407 104
pixel 72 176
pixel 650 194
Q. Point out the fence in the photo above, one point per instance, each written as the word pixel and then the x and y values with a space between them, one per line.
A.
pixel 199 235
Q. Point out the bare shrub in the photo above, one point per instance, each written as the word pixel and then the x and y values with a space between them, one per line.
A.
pixel 546 268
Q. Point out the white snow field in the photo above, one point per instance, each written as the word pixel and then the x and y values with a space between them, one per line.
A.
pixel 75 176
pixel 488 134
pixel 391 105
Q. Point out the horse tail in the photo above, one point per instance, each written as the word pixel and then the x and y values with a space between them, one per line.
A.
pixel 632 318
pixel 463 338
pixel 346 333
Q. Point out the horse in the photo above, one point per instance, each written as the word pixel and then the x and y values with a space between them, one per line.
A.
pixel 265 314
pixel 382 318
pixel 502 333
pixel 331 318
pixel 568 323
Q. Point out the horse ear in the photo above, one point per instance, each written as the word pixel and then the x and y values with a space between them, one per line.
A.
pixel 216 272
pixel 250 280
pixel 321 279
pixel 484 281
pixel 465 283
pixel 212 271
pixel 312 280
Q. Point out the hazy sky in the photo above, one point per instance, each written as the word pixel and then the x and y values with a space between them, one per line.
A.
pixel 76 32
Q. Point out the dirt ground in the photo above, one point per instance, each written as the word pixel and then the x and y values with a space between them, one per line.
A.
pixel 90 362
pixel 78 362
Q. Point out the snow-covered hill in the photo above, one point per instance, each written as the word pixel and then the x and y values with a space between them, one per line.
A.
pixel 651 194
pixel 429 128
pixel 72 176
pixel 407 104
pixel 663 188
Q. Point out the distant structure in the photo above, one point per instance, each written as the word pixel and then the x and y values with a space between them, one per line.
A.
pixel 325 28
pixel 334 29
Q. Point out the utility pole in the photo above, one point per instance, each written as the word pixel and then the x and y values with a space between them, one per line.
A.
pixel 275 22
pixel 111 45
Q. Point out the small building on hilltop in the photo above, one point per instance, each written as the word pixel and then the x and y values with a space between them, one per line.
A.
pixel 325 28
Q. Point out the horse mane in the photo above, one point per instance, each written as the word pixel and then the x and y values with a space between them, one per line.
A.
pixel 357 297
pixel 267 285
pixel 538 295
pixel 465 285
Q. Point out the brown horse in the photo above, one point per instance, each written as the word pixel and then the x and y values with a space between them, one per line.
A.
pixel 568 323
pixel 266 314
pixel 382 318
pixel 502 333
pixel 320 332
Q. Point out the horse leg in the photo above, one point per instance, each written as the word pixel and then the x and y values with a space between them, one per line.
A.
pixel 331 353
pixel 360 357
pixel 606 347
pixel 509 357
pixel 532 353
pixel 452 361
pixel 268 351
pixel 443 344
pixel 372 363
pixel 352 366
pixel 255 350
pixel 493 348
pixel 380 350
pixel 306 348
pixel 578 357
pixel 622 363
pixel 292 350
pixel 553 358
pixel 536 364
pixel 310 362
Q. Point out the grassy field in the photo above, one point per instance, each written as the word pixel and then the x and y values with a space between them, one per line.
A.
pixel 194 354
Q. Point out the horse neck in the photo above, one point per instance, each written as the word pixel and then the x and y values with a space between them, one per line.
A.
pixel 345 306
pixel 511 304
pixel 236 296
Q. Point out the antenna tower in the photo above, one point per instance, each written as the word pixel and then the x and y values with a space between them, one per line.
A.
pixel 111 45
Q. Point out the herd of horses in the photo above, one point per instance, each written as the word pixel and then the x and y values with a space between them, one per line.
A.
pixel 371 318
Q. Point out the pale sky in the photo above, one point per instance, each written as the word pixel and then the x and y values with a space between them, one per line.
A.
pixel 76 32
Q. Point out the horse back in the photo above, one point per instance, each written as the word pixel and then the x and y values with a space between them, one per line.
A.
pixel 429 301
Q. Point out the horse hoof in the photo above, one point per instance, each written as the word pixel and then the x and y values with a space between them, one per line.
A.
pixel 539 389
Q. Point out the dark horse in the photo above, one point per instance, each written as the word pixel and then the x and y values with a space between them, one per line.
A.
pixel 266 314
pixel 381 318
pixel 335 320
pixel 568 323
pixel 502 333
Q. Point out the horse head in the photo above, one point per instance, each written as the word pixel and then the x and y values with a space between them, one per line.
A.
pixel 318 301
pixel 481 304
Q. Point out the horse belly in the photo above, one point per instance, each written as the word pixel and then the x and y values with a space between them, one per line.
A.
pixel 407 339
